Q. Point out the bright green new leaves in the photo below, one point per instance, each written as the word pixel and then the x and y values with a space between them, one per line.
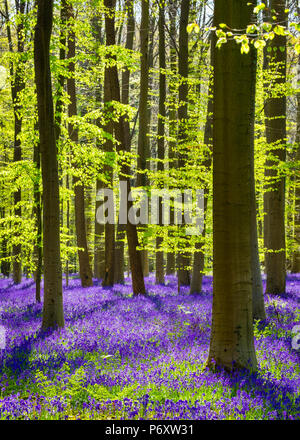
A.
pixel 193 27
pixel 258 8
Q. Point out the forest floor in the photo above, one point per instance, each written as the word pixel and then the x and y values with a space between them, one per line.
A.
pixel 129 357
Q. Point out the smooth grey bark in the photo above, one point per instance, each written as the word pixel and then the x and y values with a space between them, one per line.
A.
pixel 171 260
pixel 121 229
pixel 138 285
pixel 37 212
pixel 108 280
pixel 159 263
pixel 143 141
pixel 183 257
pixel 232 339
pixel 199 258
pixel 296 254
pixel 53 300
pixel 80 221
pixel 99 250
pixel 274 197
pixel 17 86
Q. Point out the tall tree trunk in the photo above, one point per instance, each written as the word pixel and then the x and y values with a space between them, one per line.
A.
pixel 119 255
pixel 274 198
pixel 5 265
pixel 83 254
pixel 37 210
pixel 171 261
pixel 296 254
pixel 108 148
pixel 138 285
pixel 143 144
pixel 61 78
pixel 198 264
pixel 258 305
pixel 68 229
pixel 119 249
pixel 183 258
pixel 232 340
pixel 143 140
pixel 53 301
pixel 99 251
pixel 17 86
pixel 159 267
pixel 89 222
pixel 5 257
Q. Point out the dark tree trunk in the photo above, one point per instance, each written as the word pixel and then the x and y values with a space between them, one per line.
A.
pixel 171 261
pixel 183 257
pixel 61 78
pixel 296 254
pixel 108 280
pixel 143 144
pixel 274 198
pixel 5 265
pixel 80 222
pixel 68 229
pixel 119 248
pixel 99 251
pixel 199 258
pixel 5 256
pixel 119 254
pixel 143 140
pixel 37 211
pixel 53 301
pixel 138 285
pixel 159 266
pixel 17 86
pixel 232 339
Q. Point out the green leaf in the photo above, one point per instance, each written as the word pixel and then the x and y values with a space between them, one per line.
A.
pixel 259 8
pixel 220 34
pixel 271 35
pixel 193 27
pixel 220 41
pixel 245 48
pixel 267 27
pixel 279 30
pixel 259 44
pixel 251 29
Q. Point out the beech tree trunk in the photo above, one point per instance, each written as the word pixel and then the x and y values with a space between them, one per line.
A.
pixel 199 257
pixel 80 222
pixel 37 211
pixel 5 256
pixel 17 86
pixel 232 340
pixel 108 280
pixel 121 231
pixel 296 254
pixel 99 248
pixel 53 301
pixel 274 198
pixel 171 260
pixel 138 285
pixel 183 258
pixel 159 266
pixel 143 141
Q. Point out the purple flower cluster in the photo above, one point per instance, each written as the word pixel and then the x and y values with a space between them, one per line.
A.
pixel 129 357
